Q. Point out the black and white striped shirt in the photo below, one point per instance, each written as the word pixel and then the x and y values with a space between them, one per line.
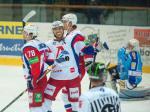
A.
pixel 99 99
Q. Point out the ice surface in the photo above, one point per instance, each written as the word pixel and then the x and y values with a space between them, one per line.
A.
pixel 12 83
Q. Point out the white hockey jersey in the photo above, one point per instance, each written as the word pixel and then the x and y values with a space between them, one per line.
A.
pixel 67 56
pixel 99 99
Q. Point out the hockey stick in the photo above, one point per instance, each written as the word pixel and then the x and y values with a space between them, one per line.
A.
pixel 28 16
pixel 13 100
pixel 103 46
pixel 24 91
pixel 25 19
pixel 94 58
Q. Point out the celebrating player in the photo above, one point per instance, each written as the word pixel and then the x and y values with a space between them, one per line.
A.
pixel 74 35
pixel 35 56
pixel 99 98
pixel 67 71
pixel 70 26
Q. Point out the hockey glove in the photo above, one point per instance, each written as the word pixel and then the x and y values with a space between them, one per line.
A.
pixel 105 46
pixel 30 85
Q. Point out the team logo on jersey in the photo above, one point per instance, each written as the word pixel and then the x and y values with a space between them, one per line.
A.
pixel 42 45
pixel 63 56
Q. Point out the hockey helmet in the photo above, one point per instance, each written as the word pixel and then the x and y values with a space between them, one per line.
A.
pixel 31 29
pixel 70 18
pixel 56 24
pixel 97 71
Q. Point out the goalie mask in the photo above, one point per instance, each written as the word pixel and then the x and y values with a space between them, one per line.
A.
pixel 133 45
pixel 31 29
pixel 97 71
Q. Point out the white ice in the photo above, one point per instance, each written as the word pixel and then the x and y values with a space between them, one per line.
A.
pixel 12 83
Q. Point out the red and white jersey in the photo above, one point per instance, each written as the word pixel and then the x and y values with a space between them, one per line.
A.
pixel 36 55
pixel 99 99
pixel 67 53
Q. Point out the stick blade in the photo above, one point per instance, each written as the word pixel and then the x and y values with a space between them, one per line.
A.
pixel 29 15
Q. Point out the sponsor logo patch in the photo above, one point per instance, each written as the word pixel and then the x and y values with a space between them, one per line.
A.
pixel 33 60
pixel 74 92
pixel 38 97
pixel 72 69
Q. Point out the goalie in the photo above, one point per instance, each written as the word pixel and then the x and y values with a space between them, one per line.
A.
pixel 129 65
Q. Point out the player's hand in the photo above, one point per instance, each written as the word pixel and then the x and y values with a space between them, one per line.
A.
pixel 101 45
pixel 30 85
pixel 98 46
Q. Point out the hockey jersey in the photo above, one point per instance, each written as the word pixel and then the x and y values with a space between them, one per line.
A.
pixel 67 52
pixel 135 67
pixel 36 57
pixel 130 65
pixel 99 99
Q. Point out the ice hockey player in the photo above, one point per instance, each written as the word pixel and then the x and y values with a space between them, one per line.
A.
pixel 67 70
pixel 73 34
pixel 99 98
pixel 130 64
pixel 35 55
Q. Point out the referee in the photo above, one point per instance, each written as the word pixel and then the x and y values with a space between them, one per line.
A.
pixel 99 98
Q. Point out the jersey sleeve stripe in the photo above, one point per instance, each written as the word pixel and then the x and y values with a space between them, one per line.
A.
pixel 75 39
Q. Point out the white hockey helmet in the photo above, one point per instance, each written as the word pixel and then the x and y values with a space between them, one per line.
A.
pixel 134 43
pixel 56 24
pixel 31 28
pixel 71 18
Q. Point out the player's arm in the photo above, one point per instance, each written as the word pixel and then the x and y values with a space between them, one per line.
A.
pixel 84 104
pixel 32 63
pixel 49 57
pixel 81 47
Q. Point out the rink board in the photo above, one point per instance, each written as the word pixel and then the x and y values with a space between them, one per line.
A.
pixel 14 60
pixel 11 40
